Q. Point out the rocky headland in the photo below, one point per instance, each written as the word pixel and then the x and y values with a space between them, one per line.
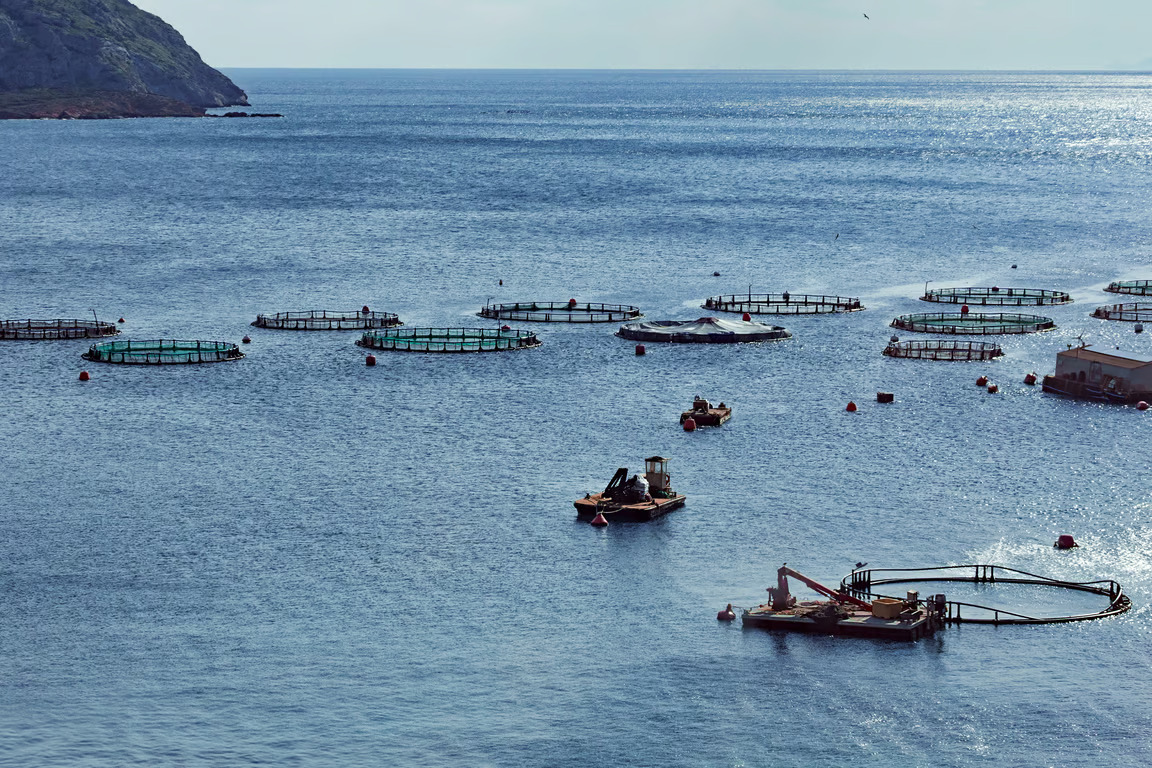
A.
pixel 101 59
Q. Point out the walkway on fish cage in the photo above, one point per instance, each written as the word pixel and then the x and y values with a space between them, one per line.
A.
pixel 865 584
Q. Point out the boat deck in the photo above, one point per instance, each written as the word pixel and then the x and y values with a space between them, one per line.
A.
pixel 707 417
pixel 858 624
pixel 614 512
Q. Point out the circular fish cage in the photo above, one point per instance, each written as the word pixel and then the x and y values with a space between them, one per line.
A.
pixel 973 324
pixel 448 340
pixel 1130 313
pixel 560 312
pixel 864 584
pixel 162 352
pixel 1019 297
pixel 53 330
pixel 325 320
pixel 944 350
pixel 782 304
pixel 706 330
pixel 1135 287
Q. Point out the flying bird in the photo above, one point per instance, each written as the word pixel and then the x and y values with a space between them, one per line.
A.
pixel 867 17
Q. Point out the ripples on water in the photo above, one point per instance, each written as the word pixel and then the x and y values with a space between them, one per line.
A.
pixel 296 559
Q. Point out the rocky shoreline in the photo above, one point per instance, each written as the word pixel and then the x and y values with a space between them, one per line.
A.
pixel 57 104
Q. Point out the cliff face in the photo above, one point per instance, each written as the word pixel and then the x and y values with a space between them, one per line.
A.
pixel 104 45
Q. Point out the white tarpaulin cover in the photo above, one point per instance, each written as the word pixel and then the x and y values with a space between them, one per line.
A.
pixel 705 330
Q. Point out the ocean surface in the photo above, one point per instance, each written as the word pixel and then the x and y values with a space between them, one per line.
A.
pixel 299 560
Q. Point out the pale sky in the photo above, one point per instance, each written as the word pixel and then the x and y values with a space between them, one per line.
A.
pixel 667 34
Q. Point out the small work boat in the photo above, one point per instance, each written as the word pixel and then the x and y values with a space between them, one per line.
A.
pixel 633 500
pixel 705 414
pixel 844 613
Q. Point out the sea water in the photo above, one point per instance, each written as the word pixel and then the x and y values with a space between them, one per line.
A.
pixel 296 559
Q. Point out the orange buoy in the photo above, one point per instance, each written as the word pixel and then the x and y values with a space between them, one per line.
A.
pixel 370 360
pixel 851 408
pixel 747 317
pixel 1030 379
pixel 246 340
pixel 84 376
pixel 120 320
pixel 571 302
pixel 982 381
pixel 993 389
pixel 689 424
pixel 640 350
pixel 727 614
pixel 1065 541
pixel 1142 405
pixel 599 521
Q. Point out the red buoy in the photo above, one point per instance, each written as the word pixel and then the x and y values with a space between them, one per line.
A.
pixel 365 310
pixel 689 424
pixel 1065 541
pixel 1030 379
pixel 851 408
pixel 964 309
pixel 599 521
pixel 370 360
pixel 505 327
pixel 640 350
pixel 571 302
pixel 120 320
pixel 246 340
pixel 1142 405
pixel 747 317
pixel 993 389
pixel 727 614
pixel 84 376
pixel 982 381
pixel 501 282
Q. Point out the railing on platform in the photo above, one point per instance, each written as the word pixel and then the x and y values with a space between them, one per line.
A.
pixel 1134 287
pixel 863 583
pixel 560 312
pixel 325 320
pixel 973 324
pixel 162 352
pixel 1020 297
pixel 1130 313
pixel 54 330
pixel 448 340
pixel 782 304
pixel 964 351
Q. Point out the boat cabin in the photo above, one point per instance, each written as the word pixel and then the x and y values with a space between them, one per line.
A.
pixel 1118 371
pixel 656 471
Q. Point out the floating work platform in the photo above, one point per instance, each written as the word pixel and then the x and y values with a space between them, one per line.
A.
pixel 1020 297
pixel 973 324
pixel 706 330
pixel 448 339
pixel 1130 313
pixel 1134 287
pixel 560 312
pixel 162 352
pixel 1104 377
pixel 632 500
pixel 845 613
pixel 704 414
pixel 54 330
pixel 944 350
pixel 782 304
pixel 326 320
pixel 864 583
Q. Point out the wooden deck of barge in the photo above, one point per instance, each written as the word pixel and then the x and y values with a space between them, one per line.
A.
pixel 858 624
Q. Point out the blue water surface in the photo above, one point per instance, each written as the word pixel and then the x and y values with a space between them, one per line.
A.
pixel 296 559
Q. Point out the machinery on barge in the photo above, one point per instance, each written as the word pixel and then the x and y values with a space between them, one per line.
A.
pixel 635 499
